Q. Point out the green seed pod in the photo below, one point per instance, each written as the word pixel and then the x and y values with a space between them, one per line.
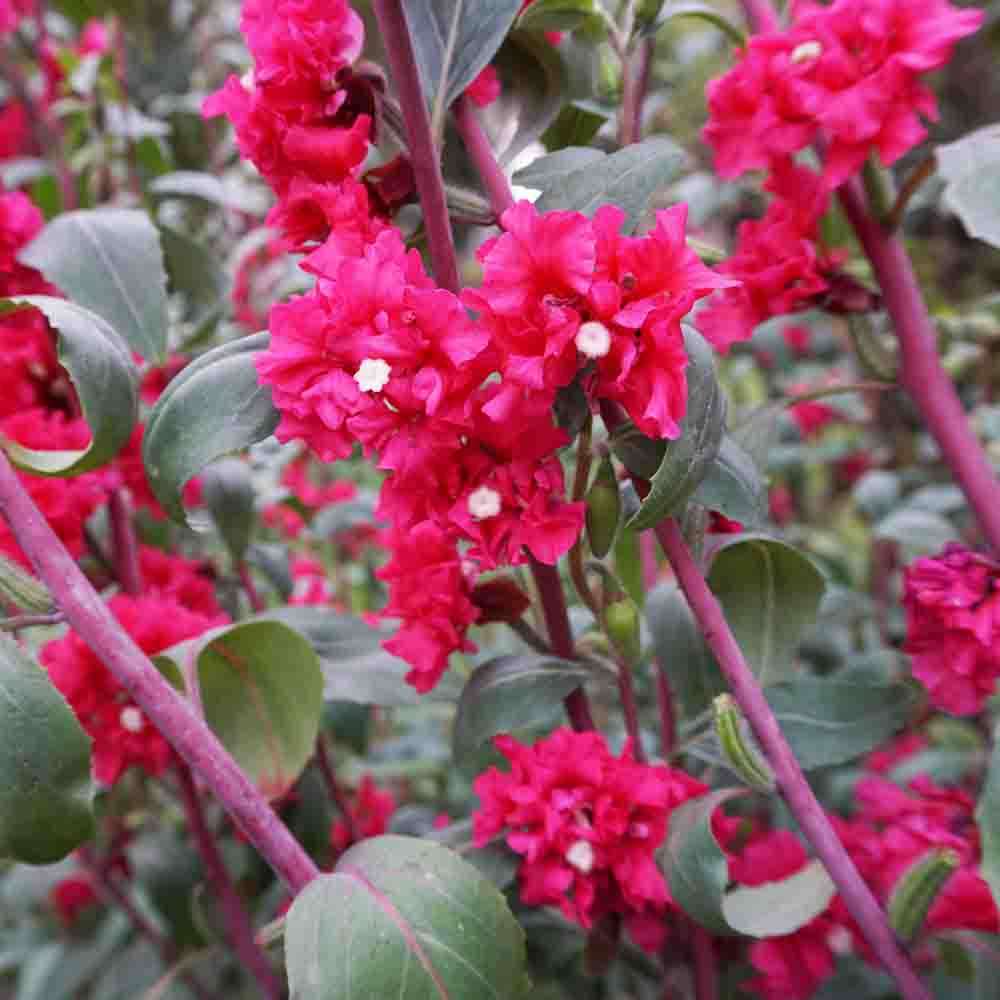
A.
pixel 621 619
pixel 739 751
pixel 23 590
pixel 917 888
pixel 604 507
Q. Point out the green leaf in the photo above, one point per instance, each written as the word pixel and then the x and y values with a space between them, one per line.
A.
pixel 510 692
pixel 46 795
pixel 833 721
pixel 734 486
pixel 770 594
pixel 355 666
pixel 548 171
pixel 691 8
pixel 577 123
pixel 194 184
pixel 681 650
pixel 195 274
pixel 109 261
pixel 627 179
pixel 105 379
pixel 694 864
pixel 403 918
pixel 776 908
pixel 919 530
pixel 261 690
pixel 988 819
pixel 687 460
pixel 970 168
pixel 454 40
pixel 213 406
pixel 229 496
pixel 556 15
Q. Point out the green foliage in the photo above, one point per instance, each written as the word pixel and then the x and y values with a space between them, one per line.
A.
pixel 407 918
pixel 104 377
pixel 110 262
pixel 214 406
pixel 46 795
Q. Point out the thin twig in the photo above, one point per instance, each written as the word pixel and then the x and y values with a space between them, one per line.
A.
pixel 911 185
pixel 333 787
pixel 18 622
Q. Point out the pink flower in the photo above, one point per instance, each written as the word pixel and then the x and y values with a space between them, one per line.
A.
pixel 485 89
pixel 123 735
pixel 430 592
pixel 371 811
pixel 587 824
pixel 11 11
pixel 953 626
pixel 71 896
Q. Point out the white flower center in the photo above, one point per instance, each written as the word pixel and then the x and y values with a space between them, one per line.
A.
pixel 131 719
pixel 581 856
pixel 593 339
pixel 247 80
pixel 839 941
pixel 484 503
pixel 373 375
pixel 806 51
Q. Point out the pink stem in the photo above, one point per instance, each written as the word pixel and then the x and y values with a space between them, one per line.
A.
pixel 172 714
pixel 561 637
pixel 334 788
pixel 481 153
pixel 238 927
pixel 126 549
pixel 423 151
pixel 706 973
pixel 921 373
pixel 630 711
pixel 647 560
pixel 635 82
pixel 250 588
pixel 804 805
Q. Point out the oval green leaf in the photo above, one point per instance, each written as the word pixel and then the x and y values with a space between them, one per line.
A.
pixel 733 486
pixel 105 378
pixel 777 908
pixel 214 406
pixel 510 692
pixel 109 261
pixel 227 489
pixel 770 593
pixel 688 460
pixel 261 691
pixel 46 795
pixel 988 819
pixel 694 864
pixel 407 919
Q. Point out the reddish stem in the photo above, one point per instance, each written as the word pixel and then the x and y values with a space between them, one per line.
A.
pixel 804 805
pixel 665 703
pixel 420 139
pixel 635 82
pixel 172 714
pixel 626 691
pixel 477 145
pixel 761 15
pixel 334 789
pixel 921 373
pixel 250 588
pixel 561 637
pixel 238 927
pixel 126 549
pixel 706 972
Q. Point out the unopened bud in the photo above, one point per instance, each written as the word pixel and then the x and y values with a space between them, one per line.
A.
pixel 621 619
pixel 917 888
pixel 737 745
pixel 19 588
pixel 604 506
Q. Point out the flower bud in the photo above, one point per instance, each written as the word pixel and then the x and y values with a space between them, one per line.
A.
pixel 604 506
pixel 499 600
pixel 21 589
pixel 917 888
pixel 737 746
pixel 621 619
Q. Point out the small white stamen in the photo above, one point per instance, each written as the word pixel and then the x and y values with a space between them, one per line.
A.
pixel 484 503
pixel 805 51
pixel 581 856
pixel 247 80
pixel 839 941
pixel 593 339
pixel 373 375
pixel 131 719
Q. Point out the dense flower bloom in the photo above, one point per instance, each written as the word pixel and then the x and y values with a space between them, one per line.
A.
pixel 792 966
pixel 952 606
pixel 848 72
pixel 371 811
pixel 587 824
pixel 123 736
